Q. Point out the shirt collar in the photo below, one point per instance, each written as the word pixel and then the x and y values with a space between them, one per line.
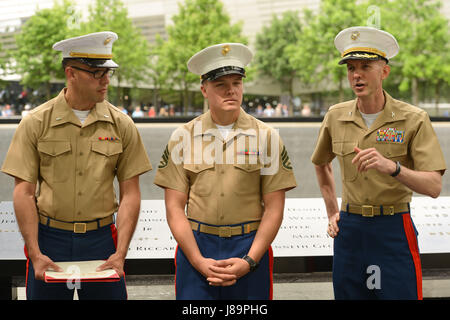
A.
pixel 391 113
pixel 63 113
pixel 100 112
pixel 241 125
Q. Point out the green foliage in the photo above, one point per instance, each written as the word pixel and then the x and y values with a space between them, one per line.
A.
pixel 272 43
pixel 314 54
pixel 419 27
pixel 131 50
pixel 423 36
pixel 198 24
pixel 2 58
pixel 287 49
pixel 38 63
pixel 2 61
pixel 35 59
pixel 2 66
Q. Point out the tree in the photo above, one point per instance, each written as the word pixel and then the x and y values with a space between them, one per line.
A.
pixel 315 52
pixel 36 61
pixel 130 51
pixel 2 60
pixel 272 54
pixel 423 36
pixel 2 66
pixel 156 71
pixel 198 24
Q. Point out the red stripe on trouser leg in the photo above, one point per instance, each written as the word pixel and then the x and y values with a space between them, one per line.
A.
pixel 414 249
pixel 27 268
pixel 114 234
pixel 271 272
pixel 175 262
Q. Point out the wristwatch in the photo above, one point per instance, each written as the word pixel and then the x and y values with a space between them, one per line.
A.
pixel 397 169
pixel 251 262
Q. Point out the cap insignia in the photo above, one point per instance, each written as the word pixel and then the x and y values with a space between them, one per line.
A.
pixel 225 50
pixel 107 40
pixel 355 35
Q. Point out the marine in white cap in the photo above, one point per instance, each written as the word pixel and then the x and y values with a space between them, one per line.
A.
pixel 224 241
pixel 73 147
pixel 386 149
pixel 88 65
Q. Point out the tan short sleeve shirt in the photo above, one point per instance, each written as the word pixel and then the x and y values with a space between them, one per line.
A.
pixel 75 164
pixel 225 179
pixel 401 133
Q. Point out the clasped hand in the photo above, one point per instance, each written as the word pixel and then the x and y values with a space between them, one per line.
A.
pixel 223 272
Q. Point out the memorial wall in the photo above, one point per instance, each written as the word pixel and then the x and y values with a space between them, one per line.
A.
pixel 303 232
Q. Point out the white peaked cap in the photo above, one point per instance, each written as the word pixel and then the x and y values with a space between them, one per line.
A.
pixel 365 43
pixel 220 59
pixel 94 49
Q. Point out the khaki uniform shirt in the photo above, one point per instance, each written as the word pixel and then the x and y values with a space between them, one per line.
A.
pixel 75 164
pixel 401 133
pixel 223 191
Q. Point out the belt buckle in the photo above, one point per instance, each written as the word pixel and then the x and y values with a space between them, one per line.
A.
pixel 79 227
pixel 225 232
pixel 388 211
pixel 367 211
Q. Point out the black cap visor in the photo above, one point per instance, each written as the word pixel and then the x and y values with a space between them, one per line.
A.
pixel 361 56
pixel 97 63
pixel 220 72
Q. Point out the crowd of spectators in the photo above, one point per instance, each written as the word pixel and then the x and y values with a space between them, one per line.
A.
pixel 281 110
pixel 17 103
pixel 151 111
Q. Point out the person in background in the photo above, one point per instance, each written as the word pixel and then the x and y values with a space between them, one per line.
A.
pixel 137 113
pixel 269 111
pixel 306 111
pixel 152 112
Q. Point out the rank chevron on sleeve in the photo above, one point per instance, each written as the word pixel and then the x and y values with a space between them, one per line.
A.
pixel 285 159
pixel 164 158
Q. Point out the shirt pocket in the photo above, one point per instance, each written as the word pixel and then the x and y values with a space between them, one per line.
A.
pixel 56 160
pixel 247 178
pixel 201 178
pixel 345 152
pixel 105 157
pixel 393 151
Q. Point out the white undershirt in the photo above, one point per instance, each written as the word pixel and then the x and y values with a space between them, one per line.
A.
pixel 81 114
pixel 370 118
pixel 225 130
